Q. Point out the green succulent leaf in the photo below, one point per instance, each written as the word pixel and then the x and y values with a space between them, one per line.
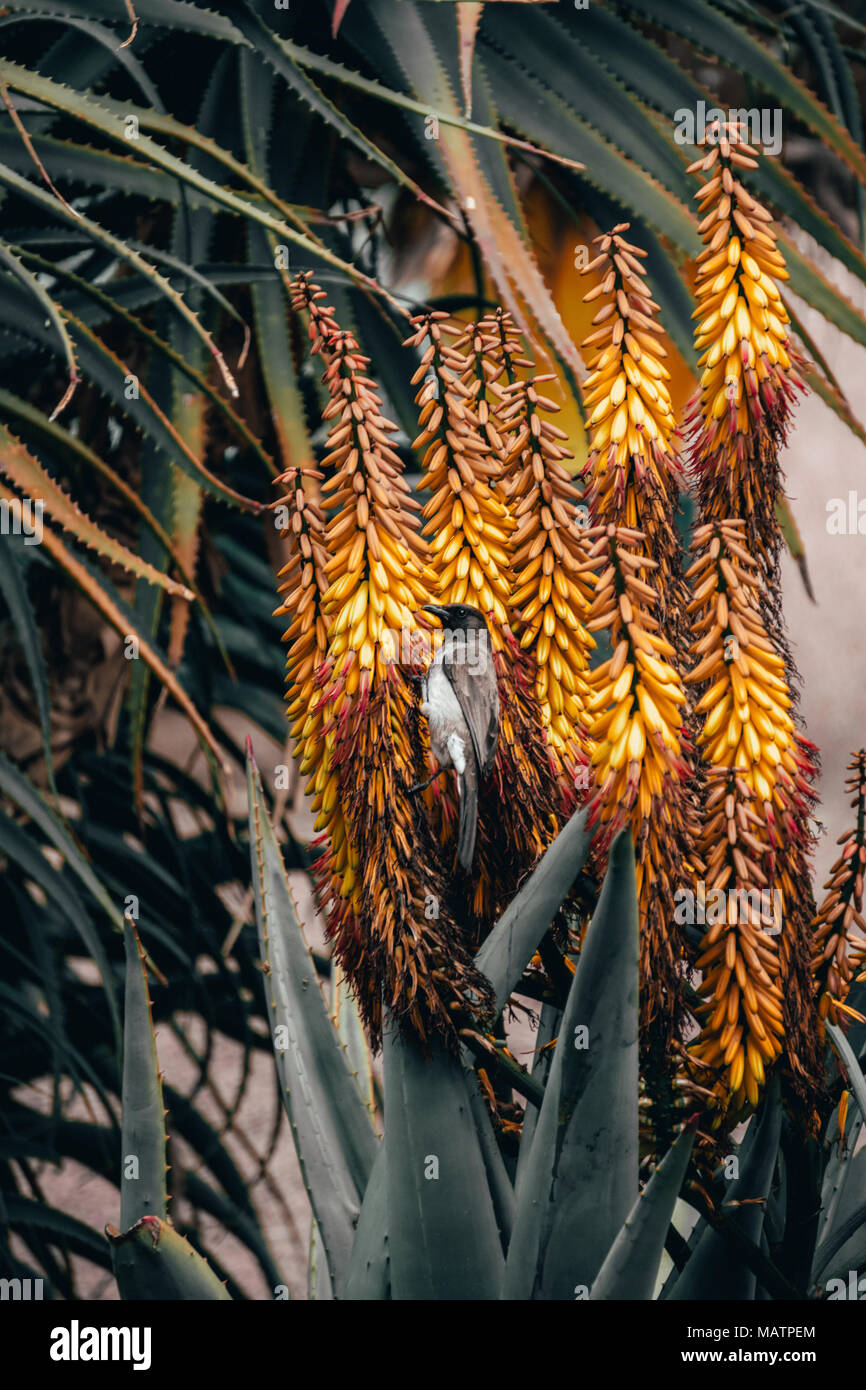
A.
pixel 368 1277
pixel 515 938
pixel 142 1189
pixel 13 587
pixel 443 1238
pixel 152 1261
pixel 331 1126
pixel 581 1178
pixel 631 1265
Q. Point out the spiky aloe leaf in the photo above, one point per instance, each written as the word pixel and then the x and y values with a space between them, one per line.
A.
pixel 331 1126
pixel 350 1031
pixel 153 1261
pixel 26 472
pixel 442 1230
pixel 844 1244
pixel 845 1053
pixel 714 1271
pixel 369 1275
pixel 142 1184
pixel 843 1146
pixel 631 1265
pixel 13 588
pixel 14 784
pixel 319 1286
pixel 581 1178
pixel 515 937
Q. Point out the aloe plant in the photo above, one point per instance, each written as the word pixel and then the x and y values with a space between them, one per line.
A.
pixel 436 1218
pixel 152 234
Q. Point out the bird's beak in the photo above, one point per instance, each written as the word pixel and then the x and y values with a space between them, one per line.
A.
pixel 436 610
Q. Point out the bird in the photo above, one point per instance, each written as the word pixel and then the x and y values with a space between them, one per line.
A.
pixel 460 701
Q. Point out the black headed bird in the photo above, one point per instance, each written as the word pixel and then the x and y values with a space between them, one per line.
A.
pixel 460 701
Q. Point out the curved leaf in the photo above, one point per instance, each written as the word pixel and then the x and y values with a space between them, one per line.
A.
pixel 153 1261
pixel 581 1177
pixel 513 941
pixel 331 1126
pixel 13 587
pixel 443 1239
pixel 631 1265
pixel 27 473
pixel 142 1186
pixel 368 1277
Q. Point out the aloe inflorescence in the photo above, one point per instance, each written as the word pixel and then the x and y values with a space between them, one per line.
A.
pixel 736 426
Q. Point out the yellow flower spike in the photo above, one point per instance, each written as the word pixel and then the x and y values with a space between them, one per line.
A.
pixel 354 585
pixel 466 440
pixel 641 778
pixel 734 436
pixel 461 467
pixel 540 492
pixel 632 476
pixel 735 426
pixel 752 801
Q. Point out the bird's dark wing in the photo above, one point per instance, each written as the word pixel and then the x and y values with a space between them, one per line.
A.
pixel 478 698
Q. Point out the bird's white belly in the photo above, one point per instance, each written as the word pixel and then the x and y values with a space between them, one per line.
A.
pixel 445 719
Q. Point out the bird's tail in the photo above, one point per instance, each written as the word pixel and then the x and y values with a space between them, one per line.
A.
pixel 468 789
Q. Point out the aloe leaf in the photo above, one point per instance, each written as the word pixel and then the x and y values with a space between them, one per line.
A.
pixel 113 309
pixel 319 1287
pixel 55 437
pixel 794 542
pixel 714 1271
pixel 110 118
pixel 631 1265
pixel 713 32
pixel 527 104
pixel 411 36
pixel 108 39
pixel 24 794
pixel 842 1147
pixel 844 1052
pixel 843 1245
pixel 350 1031
pixel 113 377
pixel 25 853
pixel 443 1238
pixel 305 58
pixel 581 1178
pixel 98 590
pixel 142 1187
pixel 152 1261
pixel 52 313
pixel 26 1216
pixel 28 474
pixel 243 1227
pixel 331 1126
pixel 568 64
pixel 513 941
pixel 368 1277
pixel 265 42
pixel 125 251
pixel 97 169
pixel 13 587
